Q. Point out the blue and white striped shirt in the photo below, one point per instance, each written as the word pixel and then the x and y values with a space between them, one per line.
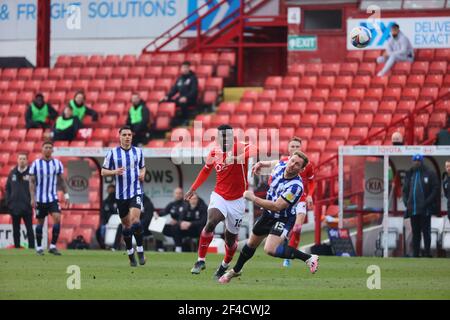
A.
pixel 46 173
pixel 289 189
pixel 127 185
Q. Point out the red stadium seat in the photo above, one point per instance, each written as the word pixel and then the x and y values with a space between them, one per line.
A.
pixel 363 120
pixel 255 120
pixel 227 108
pixel 119 73
pixel 173 71
pixel 330 69
pixel 223 71
pixel 358 133
pixel 111 60
pixel 374 94
pixel 128 60
pixel 379 82
pixel 194 58
pixel 420 67
pixel 402 67
pixel 304 133
pixel 367 68
pixel 369 106
pixel 86 233
pixel 309 120
pixel 274 121
pixel 176 58
pixel 17 135
pixel 297 107
pixel 371 55
pixel 316 145
pixel 340 133
pixel 95 61
pixel 421 119
pixel 387 107
pixel 354 56
pixel 77 144
pixel 228 58
pixel 106 97
pixel 107 121
pixel 361 82
pixel 322 133
pixel 343 82
pixel 238 121
pixel 432 80
pixel 405 106
pixel 293 120
pixel 280 107
pixel 210 97
pixel 23 98
pixel 40 74
pixel 429 93
pixel 296 70
pixel 104 73
pixel 356 94
pixel 382 120
pixel 397 81
pixel 302 94
pixel 438 67
pixel 56 74
pixel 410 94
pixel 351 107
pixel 113 84
pixel 315 107
pixel 261 107
pixel 24 74
pixel 162 123
pixel 308 82
pixel 8 97
pixel 415 80
pixel 290 82
pixel 442 55
pixel 326 82
pixel 123 96
pixel 345 120
pixel 313 69
pixel 349 68
pixel 166 108
pixel 425 55
pixel 9 122
pixel 338 94
pixel 250 95
pixel 34 135
pixel 63 85
pixel 5 219
pixel 244 107
pixel 211 58
pixel 333 107
pixel 72 220
pixel 333 145
pixel 286 133
pixel 282 95
pixel 392 94
pixel 438 119
pixel 101 134
pixel 16 85
pixel 78 61
pixel 214 83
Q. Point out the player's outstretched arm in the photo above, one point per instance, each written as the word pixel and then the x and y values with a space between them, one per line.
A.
pixel 278 205
pixel 201 178
pixel 269 165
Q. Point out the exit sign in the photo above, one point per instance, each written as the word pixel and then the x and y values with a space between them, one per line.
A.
pixel 302 43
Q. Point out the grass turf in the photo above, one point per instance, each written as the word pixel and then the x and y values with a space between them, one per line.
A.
pixel 106 275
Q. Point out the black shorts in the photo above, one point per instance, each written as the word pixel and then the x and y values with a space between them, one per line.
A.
pixel 123 206
pixel 267 224
pixel 43 209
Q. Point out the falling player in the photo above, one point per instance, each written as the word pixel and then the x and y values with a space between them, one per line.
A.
pixel 45 174
pixel 126 163
pixel 230 160
pixel 285 190
pixel 306 201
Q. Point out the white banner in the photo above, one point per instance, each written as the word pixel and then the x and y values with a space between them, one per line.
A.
pixel 423 32
pixel 78 181
pixel 87 19
pixel 7 240
pixel 373 185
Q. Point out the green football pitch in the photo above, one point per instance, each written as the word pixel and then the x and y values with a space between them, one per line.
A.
pixel 106 275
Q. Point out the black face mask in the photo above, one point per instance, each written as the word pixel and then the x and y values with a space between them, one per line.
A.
pixel 395 36
pixel 397 143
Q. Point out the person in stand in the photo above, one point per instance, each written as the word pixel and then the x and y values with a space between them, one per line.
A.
pixel 66 126
pixel 40 113
pixel 139 120
pixel 80 110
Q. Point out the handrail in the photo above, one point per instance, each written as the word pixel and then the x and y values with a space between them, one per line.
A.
pixel 167 33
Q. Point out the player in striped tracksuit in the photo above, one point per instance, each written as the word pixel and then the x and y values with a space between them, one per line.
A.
pixel 285 190
pixel 45 174
pixel 126 164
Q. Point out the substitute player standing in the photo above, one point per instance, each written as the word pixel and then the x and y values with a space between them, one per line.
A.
pixel 45 174
pixel 230 160
pixel 278 217
pixel 126 163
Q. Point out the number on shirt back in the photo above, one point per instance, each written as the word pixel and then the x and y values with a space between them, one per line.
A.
pixel 279 226
pixel 238 223
pixel 138 200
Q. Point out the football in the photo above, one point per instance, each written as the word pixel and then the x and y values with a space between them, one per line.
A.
pixel 360 37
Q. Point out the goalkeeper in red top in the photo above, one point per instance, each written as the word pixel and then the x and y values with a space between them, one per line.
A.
pixel 230 160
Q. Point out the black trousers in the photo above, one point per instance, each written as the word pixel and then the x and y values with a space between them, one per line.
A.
pixel 421 224
pixel 27 218
pixel 177 234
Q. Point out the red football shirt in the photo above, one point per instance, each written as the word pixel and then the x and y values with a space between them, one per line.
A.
pixel 231 175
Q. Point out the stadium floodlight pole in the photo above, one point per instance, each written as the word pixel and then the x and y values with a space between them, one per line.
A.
pixel 386 204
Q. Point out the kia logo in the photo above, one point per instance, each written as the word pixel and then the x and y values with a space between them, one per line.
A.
pixel 78 183
pixel 374 185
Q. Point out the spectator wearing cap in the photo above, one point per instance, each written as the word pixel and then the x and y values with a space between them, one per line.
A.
pixel 399 48
pixel 39 113
pixel 79 108
pixel 185 91
pixel 420 193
